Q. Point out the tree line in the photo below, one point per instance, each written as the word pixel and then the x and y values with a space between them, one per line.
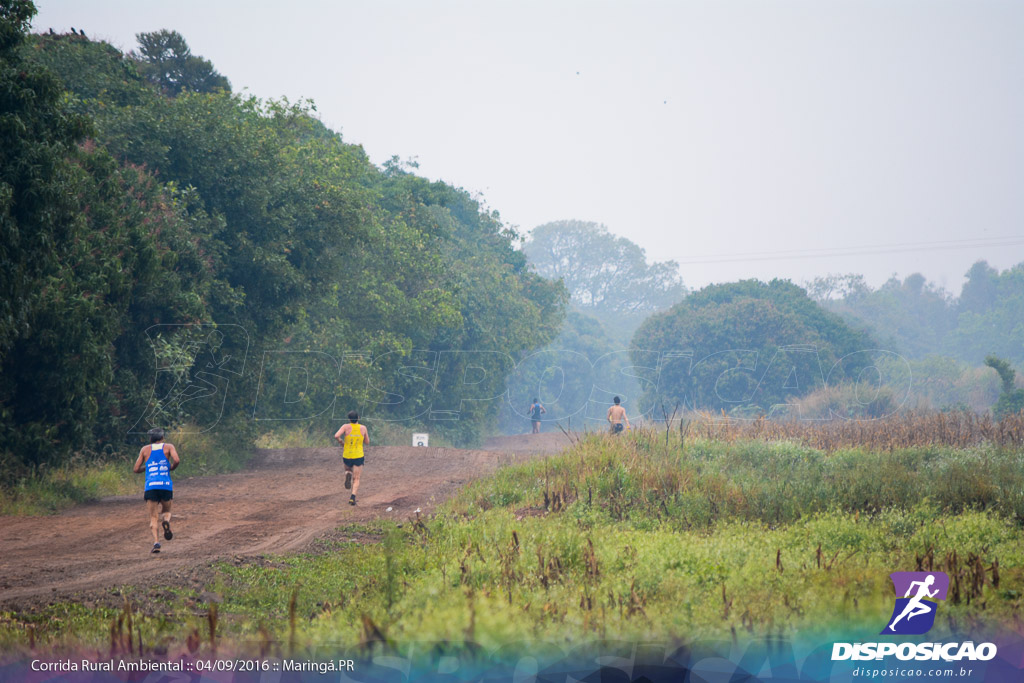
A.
pixel 164 237
pixel 834 346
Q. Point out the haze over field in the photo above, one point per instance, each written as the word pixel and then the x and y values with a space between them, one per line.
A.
pixel 741 139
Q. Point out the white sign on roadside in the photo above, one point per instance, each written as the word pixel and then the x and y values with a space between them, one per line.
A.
pixel 420 440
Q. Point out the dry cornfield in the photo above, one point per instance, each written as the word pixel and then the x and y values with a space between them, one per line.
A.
pixel 902 430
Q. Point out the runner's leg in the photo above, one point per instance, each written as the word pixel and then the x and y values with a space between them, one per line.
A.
pixel 165 509
pixel 356 471
pixel 153 508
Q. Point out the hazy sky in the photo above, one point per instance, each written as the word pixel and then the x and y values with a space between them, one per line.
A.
pixel 742 139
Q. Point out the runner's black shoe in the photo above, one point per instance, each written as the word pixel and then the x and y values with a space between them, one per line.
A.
pixel 348 480
pixel 352 499
pixel 156 548
pixel 167 531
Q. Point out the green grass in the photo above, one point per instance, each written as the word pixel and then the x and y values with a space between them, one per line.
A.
pixel 86 478
pixel 58 488
pixel 621 538
pixel 644 483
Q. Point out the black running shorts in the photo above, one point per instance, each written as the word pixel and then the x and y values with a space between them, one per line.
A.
pixel 353 462
pixel 158 495
pixel 617 427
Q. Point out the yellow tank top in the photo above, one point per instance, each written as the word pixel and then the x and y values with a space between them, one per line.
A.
pixel 353 443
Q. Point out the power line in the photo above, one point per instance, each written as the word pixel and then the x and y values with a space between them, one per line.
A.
pixel 1007 241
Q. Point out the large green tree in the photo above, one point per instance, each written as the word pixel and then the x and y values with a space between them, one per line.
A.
pixel 745 347
pixel 37 132
pixel 166 60
pixel 990 316
pixel 92 251
pixel 342 284
pixel 606 276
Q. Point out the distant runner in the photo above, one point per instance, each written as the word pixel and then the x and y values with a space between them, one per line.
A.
pixel 616 414
pixel 158 459
pixel 352 437
pixel 536 409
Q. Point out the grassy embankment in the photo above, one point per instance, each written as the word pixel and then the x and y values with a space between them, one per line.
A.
pixel 616 538
pixel 89 477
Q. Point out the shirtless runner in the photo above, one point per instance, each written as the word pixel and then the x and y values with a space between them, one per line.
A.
pixel 616 416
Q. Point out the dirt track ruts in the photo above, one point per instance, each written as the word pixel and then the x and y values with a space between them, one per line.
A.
pixel 281 504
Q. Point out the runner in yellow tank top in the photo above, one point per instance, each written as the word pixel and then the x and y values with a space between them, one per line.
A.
pixel 352 437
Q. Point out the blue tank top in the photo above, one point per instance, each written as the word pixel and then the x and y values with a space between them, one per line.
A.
pixel 158 469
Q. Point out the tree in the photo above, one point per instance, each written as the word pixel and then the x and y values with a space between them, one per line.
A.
pixel 37 131
pixel 991 317
pixel 979 292
pixel 92 251
pixel 604 274
pixel 92 71
pixel 746 346
pixel 575 377
pixel 1011 399
pixel 848 288
pixel 166 60
pixel 909 316
pixel 256 220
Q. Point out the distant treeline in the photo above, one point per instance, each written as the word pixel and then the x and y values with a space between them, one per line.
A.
pixel 834 347
pixel 919 319
pixel 176 253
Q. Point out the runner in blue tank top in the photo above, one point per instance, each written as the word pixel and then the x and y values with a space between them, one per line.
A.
pixel 157 460
pixel 536 409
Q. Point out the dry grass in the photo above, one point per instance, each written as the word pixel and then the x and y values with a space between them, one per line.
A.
pixel 958 429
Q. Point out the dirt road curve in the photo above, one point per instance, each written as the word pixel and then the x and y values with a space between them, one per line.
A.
pixel 281 504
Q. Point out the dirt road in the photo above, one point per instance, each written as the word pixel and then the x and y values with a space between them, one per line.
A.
pixel 281 504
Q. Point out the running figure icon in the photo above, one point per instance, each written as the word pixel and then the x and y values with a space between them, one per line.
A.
pixel 915 607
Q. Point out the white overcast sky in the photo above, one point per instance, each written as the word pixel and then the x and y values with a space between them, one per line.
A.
pixel 775 139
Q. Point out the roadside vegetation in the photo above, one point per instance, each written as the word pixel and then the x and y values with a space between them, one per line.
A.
pixel 641 536
pixel 85 478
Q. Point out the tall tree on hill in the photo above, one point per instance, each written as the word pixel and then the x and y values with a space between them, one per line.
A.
pixel 166 60
pixel 980 291
pixel 604 274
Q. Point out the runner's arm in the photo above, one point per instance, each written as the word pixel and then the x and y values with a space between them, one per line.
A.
pixel 366 435
pixel 174 459
pixel 137 469
pixel 339 433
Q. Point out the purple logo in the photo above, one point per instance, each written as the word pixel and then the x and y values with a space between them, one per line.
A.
pixel 914 612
